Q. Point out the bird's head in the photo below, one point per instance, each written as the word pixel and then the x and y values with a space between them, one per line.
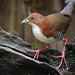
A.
pixel 35 19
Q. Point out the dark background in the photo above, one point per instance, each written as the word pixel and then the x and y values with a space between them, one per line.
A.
pixel 12 12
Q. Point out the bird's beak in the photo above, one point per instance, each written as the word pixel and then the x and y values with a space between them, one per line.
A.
pixel 25 21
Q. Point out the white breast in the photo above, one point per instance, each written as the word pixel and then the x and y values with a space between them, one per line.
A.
pixel 37 33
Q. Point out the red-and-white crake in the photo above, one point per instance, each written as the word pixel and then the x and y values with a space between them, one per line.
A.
pixel 50 29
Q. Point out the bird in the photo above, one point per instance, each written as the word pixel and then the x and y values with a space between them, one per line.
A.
pixel 51 29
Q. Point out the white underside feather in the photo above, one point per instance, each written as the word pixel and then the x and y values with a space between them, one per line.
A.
pixel 37 33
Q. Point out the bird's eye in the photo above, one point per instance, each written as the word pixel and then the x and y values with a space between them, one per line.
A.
pixel 32 18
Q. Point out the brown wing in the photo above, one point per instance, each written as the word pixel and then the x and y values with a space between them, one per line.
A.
pixel 54 24
pixel 59 22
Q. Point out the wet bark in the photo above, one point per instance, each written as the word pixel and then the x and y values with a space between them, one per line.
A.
pixel 15 60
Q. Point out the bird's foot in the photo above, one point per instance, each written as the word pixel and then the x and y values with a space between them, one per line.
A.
pixel 62 56
pixel 62 60
pixel 37 52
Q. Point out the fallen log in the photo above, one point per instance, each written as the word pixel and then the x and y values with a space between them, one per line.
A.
pixel 15 60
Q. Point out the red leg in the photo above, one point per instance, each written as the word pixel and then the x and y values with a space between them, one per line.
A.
pixel 38 51
pixel 62 56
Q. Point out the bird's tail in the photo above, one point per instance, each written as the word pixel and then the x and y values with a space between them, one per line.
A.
pixel 68 8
